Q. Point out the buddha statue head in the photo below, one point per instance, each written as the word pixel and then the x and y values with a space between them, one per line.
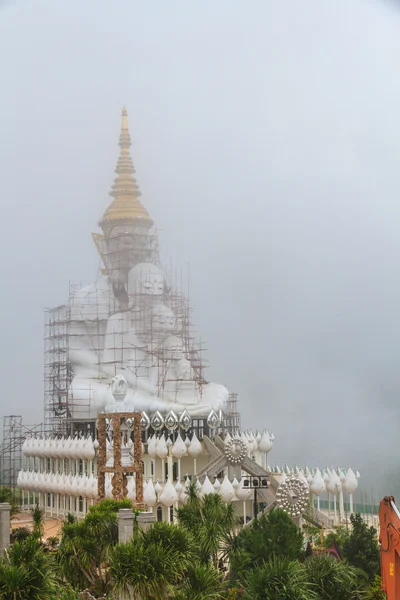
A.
pixel 145 280
pixel 126 246
pixel 120 245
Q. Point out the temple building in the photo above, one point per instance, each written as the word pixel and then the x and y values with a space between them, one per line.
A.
pixel 128 409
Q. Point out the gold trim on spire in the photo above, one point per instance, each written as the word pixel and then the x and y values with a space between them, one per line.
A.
pixel 126 206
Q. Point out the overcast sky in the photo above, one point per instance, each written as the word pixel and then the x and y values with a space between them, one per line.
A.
pixel 266 138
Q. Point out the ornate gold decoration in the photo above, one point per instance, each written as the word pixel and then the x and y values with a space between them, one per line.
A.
pixel 119 481
pixel 126 206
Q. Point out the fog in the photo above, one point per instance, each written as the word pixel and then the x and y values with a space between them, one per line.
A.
pixel 266 139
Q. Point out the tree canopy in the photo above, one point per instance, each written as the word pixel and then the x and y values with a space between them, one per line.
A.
pixel 203 555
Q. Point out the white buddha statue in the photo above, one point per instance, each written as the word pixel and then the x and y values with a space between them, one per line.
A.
pixel 142 344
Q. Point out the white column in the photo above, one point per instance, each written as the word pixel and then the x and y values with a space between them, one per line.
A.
pixel 335 508
pixel 341 506
pixel 170 469
pixel 5 509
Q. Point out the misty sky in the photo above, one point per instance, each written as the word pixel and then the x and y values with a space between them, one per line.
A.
pixel 266 139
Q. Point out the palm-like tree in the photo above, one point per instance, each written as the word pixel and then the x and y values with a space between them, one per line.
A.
pixel 143 571
pixel 27 572
pixel 333 580
pixel 211 521
pixel 85 546
pixel 82 557
pixel 38 522
pixel 202 582
pixel 172 537
pixel 152 562
pixel 279 579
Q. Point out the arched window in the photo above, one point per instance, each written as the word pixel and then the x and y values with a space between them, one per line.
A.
pixel 159 513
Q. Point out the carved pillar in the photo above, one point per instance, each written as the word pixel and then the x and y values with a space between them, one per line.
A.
pixel 119 472
pixel 118 477
pixel 137 445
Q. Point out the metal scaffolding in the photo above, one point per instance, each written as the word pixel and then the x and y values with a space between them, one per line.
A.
pixel 11 459
pixel 57 369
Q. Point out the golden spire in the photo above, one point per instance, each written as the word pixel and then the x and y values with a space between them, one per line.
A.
pixel 126 206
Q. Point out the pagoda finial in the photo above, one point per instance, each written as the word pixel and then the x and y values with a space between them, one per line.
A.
pixel 126 207
pixel 124 122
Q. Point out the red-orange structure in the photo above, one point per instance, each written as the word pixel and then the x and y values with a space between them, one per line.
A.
pixel 389 538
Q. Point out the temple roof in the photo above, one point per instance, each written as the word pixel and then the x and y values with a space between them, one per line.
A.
pixel 126 206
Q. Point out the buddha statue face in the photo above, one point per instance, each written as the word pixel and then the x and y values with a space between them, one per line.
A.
pixel 123 247
pixel 145 279
pixel 120 247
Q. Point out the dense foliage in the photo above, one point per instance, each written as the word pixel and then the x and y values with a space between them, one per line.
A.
pixel 84 550
pixel 27 572
pixel 332 579
pixel 7 495
pixel 279 579
pixel 211 521
pixel 274 534
pixel 203 556
pixel 360 548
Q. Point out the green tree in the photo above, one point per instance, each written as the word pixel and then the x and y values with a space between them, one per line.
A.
pixel 152 562
pixel 38 522
pixel 7 495
pixel 375 591
pixel 202 582
pixel 279 579
pixel 361 549
pixel 27 572
pixel 339 535
pixel 211 521
pixel 172 537
pixel 274 534
pixel 84 548
pixel 332 579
